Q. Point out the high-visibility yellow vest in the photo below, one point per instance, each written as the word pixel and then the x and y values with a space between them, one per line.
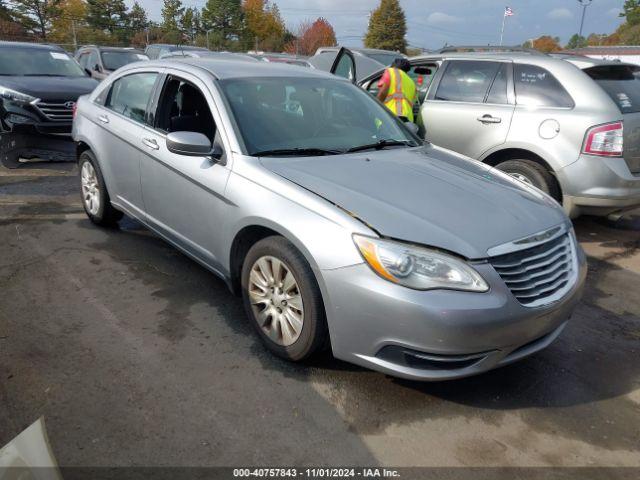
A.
pixel 402 94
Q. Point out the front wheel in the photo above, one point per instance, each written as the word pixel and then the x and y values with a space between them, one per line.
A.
pixel 95 198
pixel 531 173
pixel 283 300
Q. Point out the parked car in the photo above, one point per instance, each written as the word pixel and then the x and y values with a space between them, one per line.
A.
pixel 99 62
pixel 368 60
pixel 282 58
pixel 156 50
pixel 335 223
pixel 569 126
pixel 39 85
pixel 209 54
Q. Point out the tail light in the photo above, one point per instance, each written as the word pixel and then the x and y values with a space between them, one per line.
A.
pixel 604 140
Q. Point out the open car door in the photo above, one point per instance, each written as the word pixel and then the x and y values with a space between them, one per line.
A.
pixel 345 65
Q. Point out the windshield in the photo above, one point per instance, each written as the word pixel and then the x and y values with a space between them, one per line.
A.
pixel 309 113
pixel 38 62
pixel 622 84
pixel 115 59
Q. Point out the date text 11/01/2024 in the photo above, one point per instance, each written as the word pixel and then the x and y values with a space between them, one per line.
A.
pixel 316 473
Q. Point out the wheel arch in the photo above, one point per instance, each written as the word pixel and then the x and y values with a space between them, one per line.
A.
pixel 495 158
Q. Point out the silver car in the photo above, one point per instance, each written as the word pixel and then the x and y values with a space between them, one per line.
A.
pixel 333 221
pixel 569 126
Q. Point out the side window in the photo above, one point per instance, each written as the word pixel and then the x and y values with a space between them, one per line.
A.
pixel 129 95
pixel 498 91
pixel 83 59
pixel 93 60
pixel 345 67
pixel 152 53
pixel 467 81
pixel 537 87
pixel 184 108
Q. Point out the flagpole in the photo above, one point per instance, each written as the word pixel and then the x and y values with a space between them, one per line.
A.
pixel 504 18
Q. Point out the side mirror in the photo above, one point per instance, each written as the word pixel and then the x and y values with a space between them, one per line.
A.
pixel 88 71
pixel 412 127
pixel 193 144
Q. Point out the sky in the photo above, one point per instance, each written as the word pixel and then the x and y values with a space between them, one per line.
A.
pixel 434 23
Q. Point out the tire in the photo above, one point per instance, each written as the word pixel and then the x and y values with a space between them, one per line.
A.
pixel 279 334
pixel 98 208
pixel 533 173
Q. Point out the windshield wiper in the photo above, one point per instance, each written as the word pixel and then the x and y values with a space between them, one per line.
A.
pixel 380 144
pixel 296 151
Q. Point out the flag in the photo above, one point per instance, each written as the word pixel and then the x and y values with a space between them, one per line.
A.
pixel 508 12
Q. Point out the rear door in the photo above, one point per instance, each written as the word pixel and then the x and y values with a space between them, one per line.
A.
pixel 122 118
pixel 622 84
pixel 470 107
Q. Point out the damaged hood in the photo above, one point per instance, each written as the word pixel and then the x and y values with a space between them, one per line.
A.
pixel 51 89
pixel 426 195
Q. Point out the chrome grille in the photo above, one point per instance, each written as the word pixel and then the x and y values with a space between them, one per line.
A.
pixel 541 274
pixel 57 112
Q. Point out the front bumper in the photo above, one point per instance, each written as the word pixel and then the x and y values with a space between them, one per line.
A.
pixel 438 334
pixel 47 141
pixel 598 186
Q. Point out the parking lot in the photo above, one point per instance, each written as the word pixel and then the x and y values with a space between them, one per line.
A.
pixel 135 355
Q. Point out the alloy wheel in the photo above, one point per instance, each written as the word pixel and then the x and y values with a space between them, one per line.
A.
pixel 90 188
pixel 276 300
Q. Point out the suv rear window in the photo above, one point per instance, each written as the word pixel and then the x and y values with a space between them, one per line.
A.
pixel 537 87
pixel 622 84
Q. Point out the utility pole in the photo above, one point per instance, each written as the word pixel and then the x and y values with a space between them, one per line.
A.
pixel 585 4
pixel 147 33
pixel 73 31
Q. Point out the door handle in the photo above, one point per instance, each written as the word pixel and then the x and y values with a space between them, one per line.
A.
pixel 151 143
pixel 489 119
pixel 103 118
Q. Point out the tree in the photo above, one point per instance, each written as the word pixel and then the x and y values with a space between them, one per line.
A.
pixel 596 39
pixel 311 36
pixel 36 15
pixel 186 24
pixel 109 16
pixel 172 11
pixel 387 27
pixel 70 20
pixel 576 41
pixel 264 27
pixel 547 44
pixel 138 20
pixel 631 11
pixel 224 17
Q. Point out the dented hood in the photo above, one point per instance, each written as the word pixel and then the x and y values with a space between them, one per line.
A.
pixel 426 195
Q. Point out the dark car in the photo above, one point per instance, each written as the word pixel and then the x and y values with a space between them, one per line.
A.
pixel 39 85
pixel 156 50
pixel 99 62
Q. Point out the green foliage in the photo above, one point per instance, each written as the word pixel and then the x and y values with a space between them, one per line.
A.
pixel 138 20
pixel 631 11
pixel 576 41
pixel 35 16
pixel 172 11
pixel 224 18
pixel 387 27
pixel 108 16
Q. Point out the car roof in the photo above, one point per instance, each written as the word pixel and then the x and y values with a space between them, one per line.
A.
pixel 41 46
pixel 225 69
pixel 583 62
pixel 111 49
pixel 177 47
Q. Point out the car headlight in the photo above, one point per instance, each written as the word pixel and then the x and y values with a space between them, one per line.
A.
pixel 15 96
pixel 417 267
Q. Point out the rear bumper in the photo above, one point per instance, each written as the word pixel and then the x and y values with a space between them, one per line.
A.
pixel 45 141
pixel 598 186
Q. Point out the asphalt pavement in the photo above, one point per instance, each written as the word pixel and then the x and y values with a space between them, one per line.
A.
pixel 137 356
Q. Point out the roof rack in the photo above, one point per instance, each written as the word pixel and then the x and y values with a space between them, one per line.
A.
pixel 488 49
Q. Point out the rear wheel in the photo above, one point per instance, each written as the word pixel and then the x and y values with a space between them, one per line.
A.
pixel 531 173
pixel 95 198
pixel 283 300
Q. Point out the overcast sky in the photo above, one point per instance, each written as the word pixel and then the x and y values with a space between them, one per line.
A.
pixel 432 23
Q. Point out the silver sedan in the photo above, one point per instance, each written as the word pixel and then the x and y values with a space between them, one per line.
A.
pixel 338 227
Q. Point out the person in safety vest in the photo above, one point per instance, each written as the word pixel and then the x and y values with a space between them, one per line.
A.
pixel 397 90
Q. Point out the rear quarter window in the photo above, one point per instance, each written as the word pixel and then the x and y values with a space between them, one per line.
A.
pixel 537 87
pixel 622 84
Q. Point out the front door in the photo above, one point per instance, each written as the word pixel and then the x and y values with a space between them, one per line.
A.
pixel 184 195
pixel 122 118
pixel 470 109
pixel 345 65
